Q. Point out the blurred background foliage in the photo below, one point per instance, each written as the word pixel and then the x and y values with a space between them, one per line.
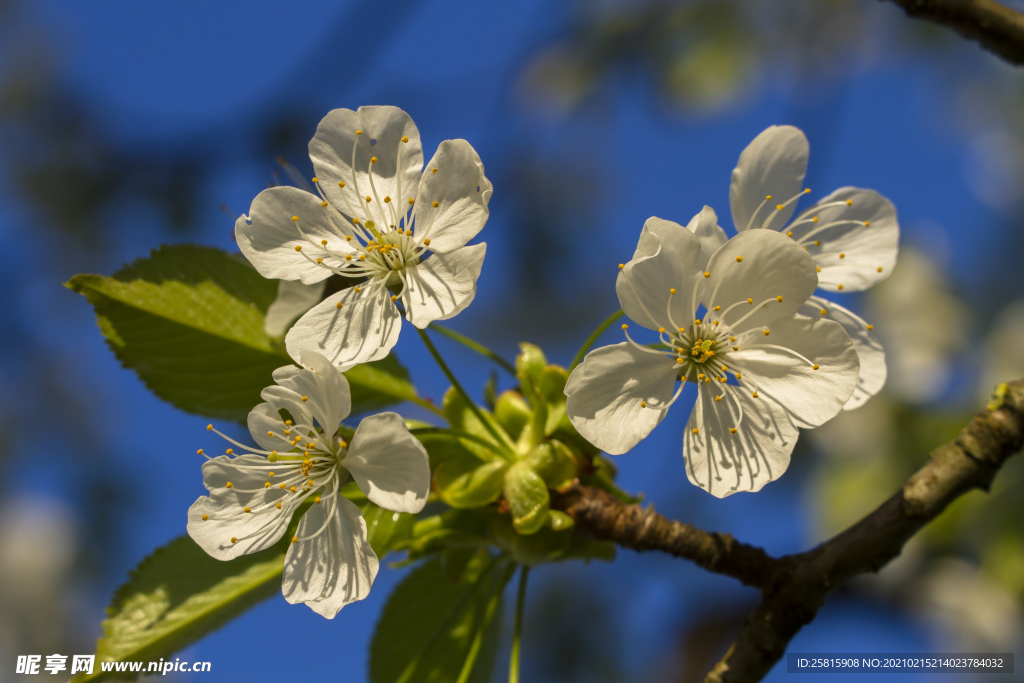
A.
pixel 85 189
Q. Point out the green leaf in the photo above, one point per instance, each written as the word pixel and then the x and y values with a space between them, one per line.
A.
pixel 468 482
pixel 527 496
pixel 437 630
pixel 178 595
pixel 189 321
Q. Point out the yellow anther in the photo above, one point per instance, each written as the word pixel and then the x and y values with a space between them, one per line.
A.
pixel 718 398
pixel 234 540
pixel 805 248
pixel 701 376
pixel 341 183
pixel 672 291
pixel 394 298
pixel 348 238
pixel 292 489
pixel 435 170
pixel 205 517
pixel 871 327
pixel 387 199
pixel 750 301
pixel 229 484
pixel 754 394
pixel 319 260
pixel 732 430
pixel 287 432
pixel 411 201
pixel 200 451
pixel 230 451
pixel 723 380
pixel 732 338
pixel 779 299
pixel 338 305
pixel 323 204
pixel 778 207
pixel 246 510
pixel 355 221
pixel 739 259
pixel 789 234
pixel 348 257
pixel 362 257
pixel 824 312
pixel 343 443
pixel 817 268
pixel 849 202
pixel 281 485
pixel 369 199
pixel 767 197
pixel 405 138
pixel 625 326
pixel 427 242
pixel 695 430
pixel 643 404
pixel 434 204
pixel 867 223
pixel 270 474
pixel 317 499
pixel 621 266
pixel 735 348
pixel 879 269
pixel 738 375
pixel 298 247
pixel 839 286
pixel 814 220
pixel 315 179
pixel 807 191
pixel 842 255
pixel 766 332
pixel 295 539
pixel 295 219
pixel 717 308
pixel 358 290
pixel 373 160
pixel 815 366
pixel 715 323
pixel 278 506
pixel 679 360
pixel 697 321
pixel 661 329
pixel 209 428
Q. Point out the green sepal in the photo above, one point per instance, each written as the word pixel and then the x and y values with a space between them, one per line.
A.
pixel 554 462
pixel 551 385
pixel 467 482
pixel 512 413
pixel 461 417
pixel 527 497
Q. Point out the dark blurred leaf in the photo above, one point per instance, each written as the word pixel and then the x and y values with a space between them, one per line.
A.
pixel 189 321
pixel 435 629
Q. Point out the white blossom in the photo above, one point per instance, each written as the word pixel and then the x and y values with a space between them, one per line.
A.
pixel 731 327
pixel 852 235
pixel 253 496
pixel 378 214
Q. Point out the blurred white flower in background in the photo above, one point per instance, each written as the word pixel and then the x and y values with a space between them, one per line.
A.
pixel 922 323
pixel 1003 359
pixel 973 612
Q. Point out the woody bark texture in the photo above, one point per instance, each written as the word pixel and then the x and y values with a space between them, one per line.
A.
pixel 794 587
pixel 995 27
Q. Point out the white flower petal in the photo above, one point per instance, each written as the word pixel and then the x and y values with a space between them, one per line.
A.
pixel 335 568
pixel 668 258
pixel 850 253
pixel 811 397
pixel 442 286
pixel 760 265
pixel 293 299
pixel 389 464
pixel 774 164
pixel 723 463
pixel 265 420
pixel 605 391
pixel 364 329
pixel 268 236
pixel 705 226
pixel 396 174
pixel 326 390
pixel 869 349
pixel 461 191
pixel 225 508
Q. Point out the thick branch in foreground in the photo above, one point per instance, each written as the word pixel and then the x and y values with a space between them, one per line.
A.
pixel 794 587
pixel 995 27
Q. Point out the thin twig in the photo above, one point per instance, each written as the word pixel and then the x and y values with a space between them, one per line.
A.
pixel 475 345
pixel 995 27
pixel 592 338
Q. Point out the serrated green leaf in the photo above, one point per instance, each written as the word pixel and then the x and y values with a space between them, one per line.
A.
pixel 189 320
pixel 435 630
pixel 176 596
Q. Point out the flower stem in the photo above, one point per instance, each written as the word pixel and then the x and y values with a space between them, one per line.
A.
pixel 593 337
pixel 458 388
pixel 513 664
pixel 475 345
pixel 424 403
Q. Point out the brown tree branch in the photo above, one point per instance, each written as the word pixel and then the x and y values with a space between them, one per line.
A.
pixel 995 27
pixel 794 587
